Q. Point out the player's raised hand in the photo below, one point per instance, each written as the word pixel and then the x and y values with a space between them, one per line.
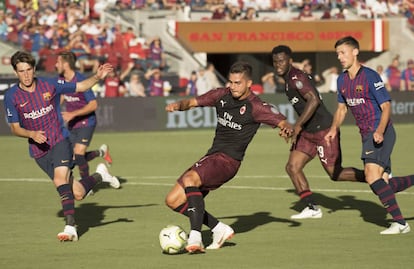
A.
pixel 104 70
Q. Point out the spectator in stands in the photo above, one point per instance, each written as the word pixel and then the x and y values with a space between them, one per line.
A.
pixel 340 15
pixel 250 14
pixel 3 28
pixel 306 14
pixel 203 84
pixel 269 83
pixel 39 42
pixel 394 74
pixel 138 53
pixel 219 13
pixel 79 46
pixel 156 56
pixel 326 15
pixel 379 9
pixel 198 5
pixel 284 13
pixel 394 7
pixel 380 70
pixel 407 77
pixel 308 69
pixel 156 83
pixel 332 78
pixel 133 86
pixel 113 84
pixel 233 13
pixel 191 89
pixel 211 75
pixel 362 10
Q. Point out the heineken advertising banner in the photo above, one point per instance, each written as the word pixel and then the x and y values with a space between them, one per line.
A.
pixel 148 114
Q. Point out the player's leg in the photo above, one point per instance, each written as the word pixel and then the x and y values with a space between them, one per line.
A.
pixel 377 160
pixel 401 183
pixel 64 188
pixel 330 156
pixel 79 151
pixel 300 154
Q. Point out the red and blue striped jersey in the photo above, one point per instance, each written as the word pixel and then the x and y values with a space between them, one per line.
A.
pixel 39 111
pixel 77 100
pixel 363 95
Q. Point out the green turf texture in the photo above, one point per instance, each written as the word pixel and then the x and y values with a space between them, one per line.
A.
pixel 119 228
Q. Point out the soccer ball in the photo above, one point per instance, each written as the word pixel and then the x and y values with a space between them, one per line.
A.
pixel 173 239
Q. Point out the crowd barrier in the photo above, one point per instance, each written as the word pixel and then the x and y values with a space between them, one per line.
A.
pixel 148 114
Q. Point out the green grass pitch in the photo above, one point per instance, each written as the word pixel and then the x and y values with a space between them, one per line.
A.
pixel 119 228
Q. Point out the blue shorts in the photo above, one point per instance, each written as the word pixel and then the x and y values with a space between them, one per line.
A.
pixel 81 135
pixel 214 170
pixel 379 153
pixel 60 155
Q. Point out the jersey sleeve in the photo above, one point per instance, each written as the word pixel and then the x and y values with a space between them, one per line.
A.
pixel 339 83
pixel 266 113
pixel 62 86
pixel 377 88
pixel 303 84
pixel 211 97
pixel 11 111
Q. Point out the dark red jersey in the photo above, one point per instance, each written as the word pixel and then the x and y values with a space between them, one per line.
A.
pixel 237 120
pixel 298 84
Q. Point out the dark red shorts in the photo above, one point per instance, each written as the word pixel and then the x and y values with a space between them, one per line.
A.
pixel 214 170
pixel 314 143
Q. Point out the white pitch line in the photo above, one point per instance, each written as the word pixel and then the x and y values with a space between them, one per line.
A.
pixel 266 188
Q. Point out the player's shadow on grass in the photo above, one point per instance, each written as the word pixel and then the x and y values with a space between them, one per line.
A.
pixel 246 223
pixel 89 215
pixel 370 211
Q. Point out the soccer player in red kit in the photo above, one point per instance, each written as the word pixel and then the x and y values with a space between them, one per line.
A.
pixel 239 114
pixel 313 123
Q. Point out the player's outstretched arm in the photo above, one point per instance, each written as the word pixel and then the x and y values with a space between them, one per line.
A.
pixel 88 83
pixel 182 105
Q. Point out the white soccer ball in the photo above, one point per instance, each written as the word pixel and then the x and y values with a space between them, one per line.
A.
pixel 173 239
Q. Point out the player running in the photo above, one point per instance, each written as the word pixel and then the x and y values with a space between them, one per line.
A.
pixel 239 115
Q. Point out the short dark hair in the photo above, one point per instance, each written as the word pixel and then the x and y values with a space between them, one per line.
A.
pixel 348 40
pixel 282 49
pixel 242 68
pixel 69 57
pixel 22 57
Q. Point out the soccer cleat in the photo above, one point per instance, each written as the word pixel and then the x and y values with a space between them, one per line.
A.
pixel 195 243
pixel 195 247
pixel 397 228
pixel 308 213
pixel 106 177
pixel 68 234
pixel 220 235
pixel 104 150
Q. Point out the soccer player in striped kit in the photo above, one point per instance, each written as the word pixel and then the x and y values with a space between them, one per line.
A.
pixel 80 116
pixel 361 90
pixel 33 112
pixel 239 114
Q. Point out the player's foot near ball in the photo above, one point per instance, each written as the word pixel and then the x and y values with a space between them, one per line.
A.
pixel 221 233
pixel 69 234
pixel 195 243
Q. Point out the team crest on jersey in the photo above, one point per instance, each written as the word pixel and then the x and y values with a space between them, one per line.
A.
pixel 47 96
pixel 359 88
pixel 299 84
pixel 242 110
